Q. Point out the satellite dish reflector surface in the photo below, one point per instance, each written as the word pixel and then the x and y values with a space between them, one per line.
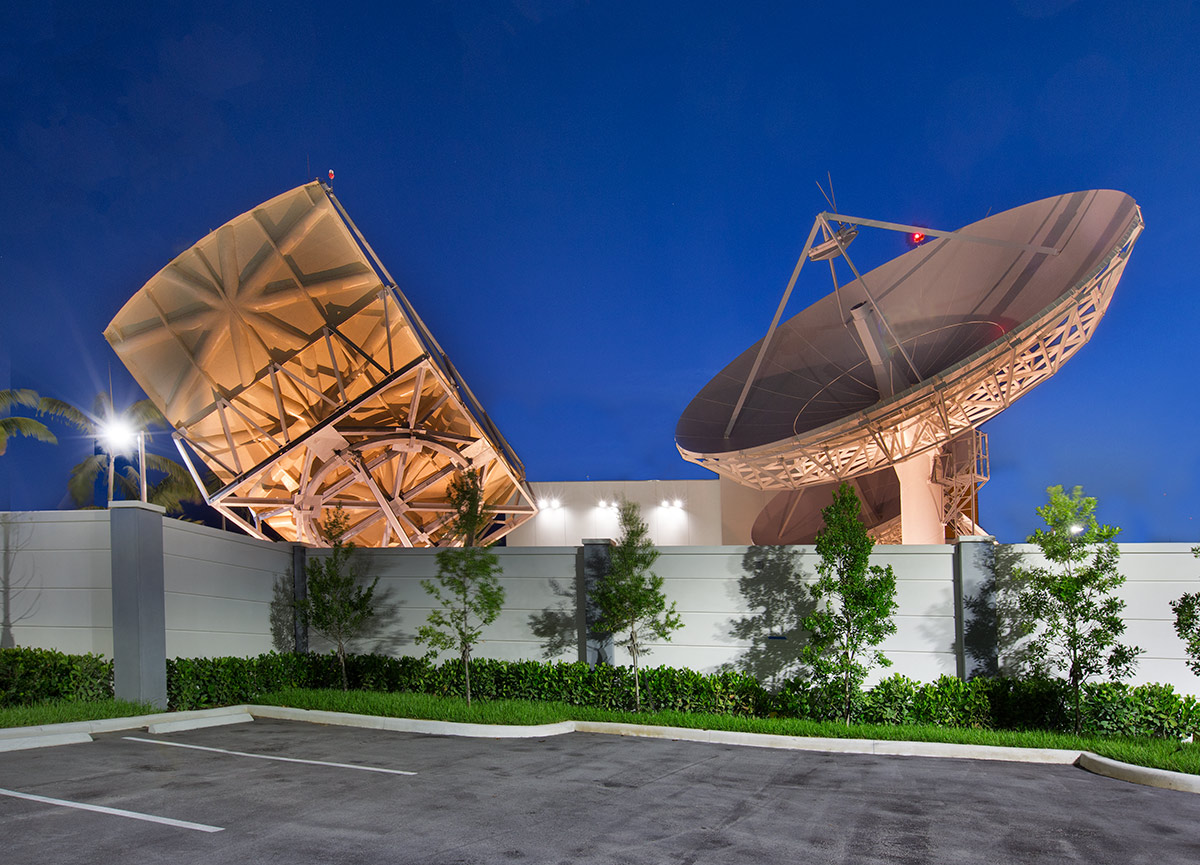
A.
pixel 981 323
pixel 285 357
pixel 918 352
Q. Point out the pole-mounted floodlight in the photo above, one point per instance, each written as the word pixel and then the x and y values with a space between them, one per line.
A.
pixel 119 437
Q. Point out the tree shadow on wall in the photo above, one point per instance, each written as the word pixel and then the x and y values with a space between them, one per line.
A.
pixel 18 600
pixel 772 584
pixel 383 628
pixel 555 625
pixel 994 634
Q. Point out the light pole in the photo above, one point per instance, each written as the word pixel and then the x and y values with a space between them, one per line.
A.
pixel 118 437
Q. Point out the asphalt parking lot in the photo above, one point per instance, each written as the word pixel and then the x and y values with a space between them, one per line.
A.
pixel 289 792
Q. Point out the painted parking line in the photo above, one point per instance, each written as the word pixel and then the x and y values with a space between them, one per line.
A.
pixel 270 756
pixel 116 812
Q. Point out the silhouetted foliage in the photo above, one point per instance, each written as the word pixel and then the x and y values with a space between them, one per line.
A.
pixel 556 626
pixel 283 615
pixel 995 632
pixel 772 586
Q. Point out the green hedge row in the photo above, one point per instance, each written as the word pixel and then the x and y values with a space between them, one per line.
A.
pixel 32 675
pixel 203 682
pixel 1107 708
pixel 1010 704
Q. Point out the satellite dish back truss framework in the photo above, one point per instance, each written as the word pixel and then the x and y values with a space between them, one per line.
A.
pixel 284 355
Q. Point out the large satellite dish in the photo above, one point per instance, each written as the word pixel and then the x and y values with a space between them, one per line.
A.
pixel 286 358
pixel 899 367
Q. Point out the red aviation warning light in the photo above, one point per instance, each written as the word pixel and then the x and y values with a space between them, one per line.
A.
pixel 331 175
pixel 917 236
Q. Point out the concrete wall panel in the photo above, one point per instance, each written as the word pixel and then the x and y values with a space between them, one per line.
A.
pixel 219 587
pixel 57 565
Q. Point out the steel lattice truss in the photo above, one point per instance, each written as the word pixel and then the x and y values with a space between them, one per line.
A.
pixel 938 409
pixel 960 470
pixel 299 373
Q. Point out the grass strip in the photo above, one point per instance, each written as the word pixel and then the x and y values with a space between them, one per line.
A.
pixel 1153 753
pixel 65 711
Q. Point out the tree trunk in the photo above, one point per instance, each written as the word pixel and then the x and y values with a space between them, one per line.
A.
pixel 637 688
pixel 342 664
pixel 466 659
pixel 1075 686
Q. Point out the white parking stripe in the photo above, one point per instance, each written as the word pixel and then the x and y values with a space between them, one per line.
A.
pixel 117 812
pixel 270 756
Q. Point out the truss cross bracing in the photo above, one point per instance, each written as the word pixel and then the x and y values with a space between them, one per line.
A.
pixel 292 366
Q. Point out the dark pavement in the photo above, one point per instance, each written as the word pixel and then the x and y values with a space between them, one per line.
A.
pixel 573 798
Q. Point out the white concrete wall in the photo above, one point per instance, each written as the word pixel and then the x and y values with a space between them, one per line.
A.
pixel 703 583
pixel 217 584
pixel 218 590
pixel 578 515
pixel 219 587
pixel 58 568
pixel 1155 575
pixel 529 579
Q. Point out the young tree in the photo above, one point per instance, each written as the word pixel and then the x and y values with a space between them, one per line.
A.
pixel 338 605
pixel 855 602
pixel 468 595
pixel 1187 623
pixel 1068 605
pixel 630 597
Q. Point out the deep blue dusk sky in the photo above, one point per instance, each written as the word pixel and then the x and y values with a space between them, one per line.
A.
pixel 596 206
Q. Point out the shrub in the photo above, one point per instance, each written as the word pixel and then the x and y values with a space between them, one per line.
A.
pixel 1156 711
pixel 30 676
pixel 891 701
pixel 951 702
pixel 819 700
pixel 1107 708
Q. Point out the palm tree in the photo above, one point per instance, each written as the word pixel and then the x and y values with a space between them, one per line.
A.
pixel 118 431
pixel 21 426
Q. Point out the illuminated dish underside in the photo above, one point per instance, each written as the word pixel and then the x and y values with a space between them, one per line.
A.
pixel 303 378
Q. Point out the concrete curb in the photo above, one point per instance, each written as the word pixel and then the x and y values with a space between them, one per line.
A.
pixel 25 743
pixel 1138 774
pixel 109 725
pixel 198 723
pixel 412 725
pixel 19 738
pixel 837 746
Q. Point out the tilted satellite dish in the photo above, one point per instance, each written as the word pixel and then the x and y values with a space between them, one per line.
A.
pixel 284 355
pixel 899 367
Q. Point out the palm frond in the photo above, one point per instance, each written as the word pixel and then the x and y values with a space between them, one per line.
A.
pixel 145 413
pixel 82 482
pixel 64 410
pixel 20 396
pixel 128 482
pixel 23 426
pixel 171 494
pixel 168 466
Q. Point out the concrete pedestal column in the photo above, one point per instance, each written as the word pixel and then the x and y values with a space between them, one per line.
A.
pixel 138 603
pixel 594 559
pixel 920 501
